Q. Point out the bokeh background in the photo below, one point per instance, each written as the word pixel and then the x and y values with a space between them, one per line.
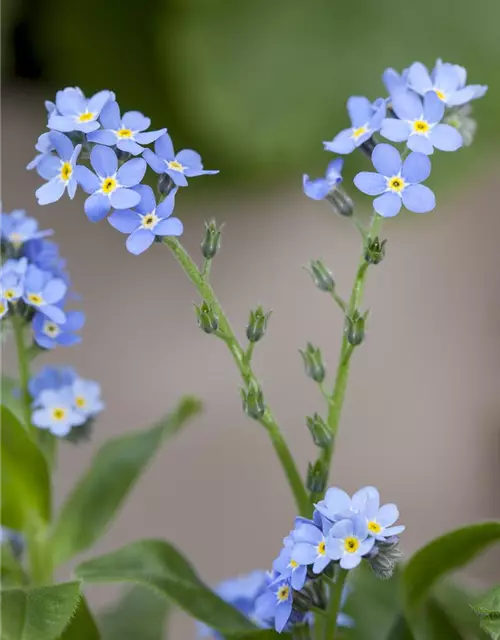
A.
pixel 256 87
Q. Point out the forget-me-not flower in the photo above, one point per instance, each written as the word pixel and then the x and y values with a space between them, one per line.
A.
pixel 185 164
pixel 419 124
pixel 49 334
pixel 379 520
pixel 276 604
pixel 448 81
pixel 12 278
pixel 4 305
pixel 87 397
pixel 54 410
pixel 147 220
pixel 58 170
pixel 348 542
pixel 127 133
pixel 109 186
pixel 44 146
pixel 45 255
pixel 286 567
pixel 310 547
pixel 397 182
pixel 338 505
pixel 366 118
pixel 17 228
pixel 319 188
pixel 394 81
pixel 43 291
pixel 74 112
pixel 51 377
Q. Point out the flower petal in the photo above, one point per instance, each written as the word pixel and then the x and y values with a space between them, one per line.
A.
pixel 62 145
pixel 102 136
pixel 97 207
pixel 139 241
pixel 418 198
pixel 419 79
pixel 316 189
pixel 149 136
pixel 342 143
pixel 388 205
pixel 447 78
pixel 136 121
pixel 49 167
pixel 350 561
pixel 370 183
pixel 132 172
pixel 125 220
pixel 103 161
pixel 70 101
pixel 124 198
pixel 54 291
pixel 407 105
pixel 416 167
pixel 169 227
pixel 394 531
pixel 445 137
pixel 165 208
pixel 155 162
pixel 433 108
pixel 395 130
pixel 386 160
pixel 387 515
pixel 420 144
pixel 98 100
pixel 61 123
pixel 335 548
pixel 53 313
pixel 164 148
pixel 360 110
pixel 130 146
pixel 50 192
pixel 110 116
pixel 147 203
pixel 86 179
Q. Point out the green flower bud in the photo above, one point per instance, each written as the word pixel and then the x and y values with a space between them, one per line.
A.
pixel 460 118
pixel 321 275
pixel 81 434
pixel 207 319
pixel 341 202
pixel 355 328
pixel 375 251
pixel 313 363
pixel 165 184
pixel 316 477
pixel 253 401
pixel 384 558
pixel 320 432
pixel 257 324
pixel 211 241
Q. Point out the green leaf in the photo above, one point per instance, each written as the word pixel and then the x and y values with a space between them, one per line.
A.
pixel 99 494
pixel 443 555
pixel 11 572
pixel 159 565
pixel 126 619
pixel 82 625
pixel 260 634
pixel 492 627
pixel 489 604
pixel 456 602
pixel 400 630
pixel 38 613
pixel 25 480
pixel 431 622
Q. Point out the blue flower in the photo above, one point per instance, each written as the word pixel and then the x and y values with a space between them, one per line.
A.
pixel 42 292
pixel 276 604
pixel 54 410
pixel 74 112
pixel 379 520
pixel 127 133
pixel 185 164
pixel 44 146
pixel 14 539
pixel 348 542
pixel 310 547
pixel 58 170
pixel 395 82
pixel 397 182
pixel 45 255
pixel 111 186
pixel 447 81
pixel 419 124
pixel 147 220
pixel 287 567
pixel 87 397
pixel 12 279
pixel 4 305
pixel 338 505
pixel 319 188
pixel 366 118
pixel 49 334
pixel 17 228
pixel 51 377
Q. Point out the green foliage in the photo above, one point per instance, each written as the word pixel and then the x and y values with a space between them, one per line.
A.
pixel 39 613
pixel 261 634
pixel 488 610
pixel 25 480
pixel 11 400
pixel 82 625
pixel 125 620
pixel 116 467
pixel 11 572
pixel 160 566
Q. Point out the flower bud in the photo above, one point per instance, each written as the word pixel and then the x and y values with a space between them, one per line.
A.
pixel 81 434
pixel 375 251
pixel 208 321
pixel 384 558
pixel 316 477
pixel 368 146
pixel 461 119
pixel 257 325
pixel 211 241
pixel 320 432
pixel 253 401
pixel 313 363
pixel 165 184
pixel 322 276
pixel 355 328
pixel 340 201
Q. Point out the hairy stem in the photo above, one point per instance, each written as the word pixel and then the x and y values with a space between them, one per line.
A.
pixel 23 363
pixel 268 420
pixel 334 605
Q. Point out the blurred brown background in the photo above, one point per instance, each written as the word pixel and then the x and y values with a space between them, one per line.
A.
pixel 422 416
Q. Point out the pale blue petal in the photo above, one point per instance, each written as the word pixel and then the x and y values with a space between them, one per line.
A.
pixel 125 220
pixel 147 203
pixel 50 191
pixel 102 136
pixel 54 291
pixel 68 339
pixel 386 160
pixel 407 105
pixel 169 227
pixel 334 170
pixel 54 313
pixel 283 612
pixel 178 177
pixel 335 548
pixel 132 172
pixel 155 162
pixel 110 116
pixel 49 167
pixel 342 529
pixel 419 79
pixel 164 148
pixel 387 515
pixel 298 577
pixel 395 130
pixel 124 198
pixel 416 167
pixel 149 136
pixel 393 81
pixel 366 546
pixel 360 499
pixel 445 137
pixel 370 183
pixel 130 146
pixel 104 161
pixel 41 418
pixel 388 205
pixel 70 101
pixel 394 531
pixel 136 121
pixel 62 145
pixel 418 198
pixel 304 553
pixel 420 143
pixel 86 179
pixel 350 561
pixel 165 208
pixel 71 185
pixel 98 100
pixel 433 108
pixel 447 79
pixel 462 96
pixel 336 501
pixel 316 189
pixel 375 121
pixel 97 207
pixel 139 241
pixel 360 110
pixel 61 123
pixel 360 528
pixel 74 321
pixel 87 127
pixel 189 159
pixel 342 143
pixel 320 564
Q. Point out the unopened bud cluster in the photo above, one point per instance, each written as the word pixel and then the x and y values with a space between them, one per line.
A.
pixel 211 240
pixel 322 276
pixel 206 317
pixel 253 401
pixel 320 432
pixel 375 251
pixel 313 363
pixel 355 328
pixel 257 324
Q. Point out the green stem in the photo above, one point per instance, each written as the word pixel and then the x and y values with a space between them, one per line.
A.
pixel 249 353
pixel 23 362
pixel 268 420
pixel 334 605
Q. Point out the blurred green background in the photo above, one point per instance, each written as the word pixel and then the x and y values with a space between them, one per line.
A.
pixel 255 86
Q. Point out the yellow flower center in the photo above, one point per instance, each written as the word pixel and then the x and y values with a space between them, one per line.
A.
pixel 58 413
pixel 351 545
pixel 86 117
pixel 357 133
pixel 51 329
pixel 16 238
pixel 3 308
pixel 440 94
pixel 321 548
pixel 294 564
pixel 80 402
pixel 374 527
pixel 396 184
pixel 109 185
pixel 35 298
pixel 9 294
pixel 283 593
pixel 421 126
pixel 176 166
pixel 149 220
pixel 66 171
pixel 124 133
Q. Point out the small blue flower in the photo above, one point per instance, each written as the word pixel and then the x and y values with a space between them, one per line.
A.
pixel 42 292
pixel 310 547
pixel 338 505
pixel 348 542
pixel 54 410
pixel 185 164
pixel 4 305
pixel 419 124
pixel 58 170
pixel 74 112
pixel 319 188
pixel 448 81
pixel 17 228
pixel 45 255
pixel 44 146
pixel 111 186
pixel 379 520
pixel 49 334
pixel 397 182
pixel 127 133
pixel 12 279
pixel 287 567
pixel 366 118
pixel 276 604
pixel 147 220
pixel 51 377
pixel 87 397
pixel 395 82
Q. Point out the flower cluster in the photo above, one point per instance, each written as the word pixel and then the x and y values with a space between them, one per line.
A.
pixel 425 111
pixel 94 130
